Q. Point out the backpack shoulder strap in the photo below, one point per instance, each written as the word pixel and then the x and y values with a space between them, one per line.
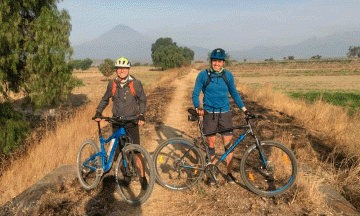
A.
pixel 113 90
pixel 132 89
pixel 224 77
pixel 131 86
pixel 208 79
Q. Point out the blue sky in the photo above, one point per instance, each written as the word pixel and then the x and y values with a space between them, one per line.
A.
pixel 232 25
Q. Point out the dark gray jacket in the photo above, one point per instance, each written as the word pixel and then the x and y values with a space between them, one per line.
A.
pixel 124 103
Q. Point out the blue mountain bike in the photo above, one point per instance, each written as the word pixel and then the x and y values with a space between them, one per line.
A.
pixel 267 168
pixel 134 169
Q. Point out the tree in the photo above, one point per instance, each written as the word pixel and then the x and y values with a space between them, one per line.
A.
pixel 316 57
pixel 158 43
pixel 107 67
pixel 188 54
pixel 86 64
pixel 353 51
pixel 76 64
pixel 35 51
pixel 166 54
pixel 291 58
pixel 168 57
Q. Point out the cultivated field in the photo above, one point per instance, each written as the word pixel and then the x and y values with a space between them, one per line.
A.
pixel 324 138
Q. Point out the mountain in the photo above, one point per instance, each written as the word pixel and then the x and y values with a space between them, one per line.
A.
pixel 124 41
pixel 119 41
pixel 332 46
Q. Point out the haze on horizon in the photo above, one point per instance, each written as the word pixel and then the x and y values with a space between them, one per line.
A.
pixel 230 24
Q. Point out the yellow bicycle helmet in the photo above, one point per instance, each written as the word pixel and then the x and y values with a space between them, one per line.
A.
pixel 122 62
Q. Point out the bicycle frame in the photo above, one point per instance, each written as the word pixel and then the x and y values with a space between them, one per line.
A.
pixel 107 164
pixel 249 130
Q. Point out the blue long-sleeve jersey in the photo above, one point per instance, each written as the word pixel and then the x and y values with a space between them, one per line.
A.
pixel 216 97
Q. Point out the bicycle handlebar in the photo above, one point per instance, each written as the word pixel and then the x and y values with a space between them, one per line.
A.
pixel 195 115
pixel 118 119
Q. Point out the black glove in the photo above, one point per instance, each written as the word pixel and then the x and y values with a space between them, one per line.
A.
pixel 141 117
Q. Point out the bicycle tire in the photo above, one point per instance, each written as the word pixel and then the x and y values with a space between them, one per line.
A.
pixel 129 185
pixel 169 167
pixel 269 183
pixel 88 178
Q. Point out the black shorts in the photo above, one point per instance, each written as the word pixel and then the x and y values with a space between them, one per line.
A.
pixel 218 123
pixel 132 130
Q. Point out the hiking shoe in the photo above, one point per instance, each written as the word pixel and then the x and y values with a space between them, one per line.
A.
pixel 144 183
pixel 230 178
pixel 210 181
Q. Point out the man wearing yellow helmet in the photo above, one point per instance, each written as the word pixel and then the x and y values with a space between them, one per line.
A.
pixel 129 100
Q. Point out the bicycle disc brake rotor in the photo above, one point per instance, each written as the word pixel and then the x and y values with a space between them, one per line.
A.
pixel 178 164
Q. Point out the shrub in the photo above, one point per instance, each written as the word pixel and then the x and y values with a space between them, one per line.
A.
pixel 107 67
pixel 13 130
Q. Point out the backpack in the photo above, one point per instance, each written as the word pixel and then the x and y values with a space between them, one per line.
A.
pixel 209 79
pixel 131 86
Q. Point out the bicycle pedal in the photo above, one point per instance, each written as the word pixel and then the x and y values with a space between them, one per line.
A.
pixel 99 172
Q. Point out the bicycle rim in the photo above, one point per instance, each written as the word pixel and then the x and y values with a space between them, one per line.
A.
pixel 129 183
pixel 179 165
pixel 87 172
pixel 280 175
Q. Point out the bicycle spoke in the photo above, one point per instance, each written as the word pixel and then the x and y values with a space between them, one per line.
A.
pixel 276 176
pixel 178 164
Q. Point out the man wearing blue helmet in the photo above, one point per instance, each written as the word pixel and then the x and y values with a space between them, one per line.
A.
pixel 215 83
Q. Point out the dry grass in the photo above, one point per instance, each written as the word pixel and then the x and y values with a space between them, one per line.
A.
pixel 337 132
pixel 59 146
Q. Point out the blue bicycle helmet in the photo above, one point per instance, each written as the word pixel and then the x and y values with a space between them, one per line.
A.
pixel 218 54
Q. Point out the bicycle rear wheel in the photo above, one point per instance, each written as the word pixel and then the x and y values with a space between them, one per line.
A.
pixel 179 164
pixel 280 175
pixel 87 166
pixel 130 172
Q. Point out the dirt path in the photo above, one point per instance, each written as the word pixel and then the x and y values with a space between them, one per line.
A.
pixel 174 124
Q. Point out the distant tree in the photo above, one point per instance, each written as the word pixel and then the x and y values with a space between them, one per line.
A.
pixel 158 43
pixel 166 54
pixel 35 51
pixel 244 60
pixel 86 64
pixel 291 58
pixel 107 68
pixel 316 57
pixel 76 64
pixel 284 58
pixel 136 64
pixel 168 57
pixel 188 54
pixel 353 51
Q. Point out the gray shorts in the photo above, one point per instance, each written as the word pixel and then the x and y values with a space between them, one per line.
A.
pixel 214 123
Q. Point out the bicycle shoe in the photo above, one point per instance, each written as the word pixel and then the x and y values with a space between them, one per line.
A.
pixel 144 183
pixel 230 178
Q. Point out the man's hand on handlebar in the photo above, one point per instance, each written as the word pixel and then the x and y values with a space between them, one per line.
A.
pixel 200 111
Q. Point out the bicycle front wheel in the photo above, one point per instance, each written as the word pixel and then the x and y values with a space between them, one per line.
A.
pixel 135 174
pixel 179 164
pixel 87 164
pixel 276 177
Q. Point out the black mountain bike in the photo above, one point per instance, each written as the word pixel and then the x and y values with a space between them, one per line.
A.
pixel 267 168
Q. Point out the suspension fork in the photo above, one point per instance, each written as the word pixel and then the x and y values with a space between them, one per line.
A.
pixel 261 153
